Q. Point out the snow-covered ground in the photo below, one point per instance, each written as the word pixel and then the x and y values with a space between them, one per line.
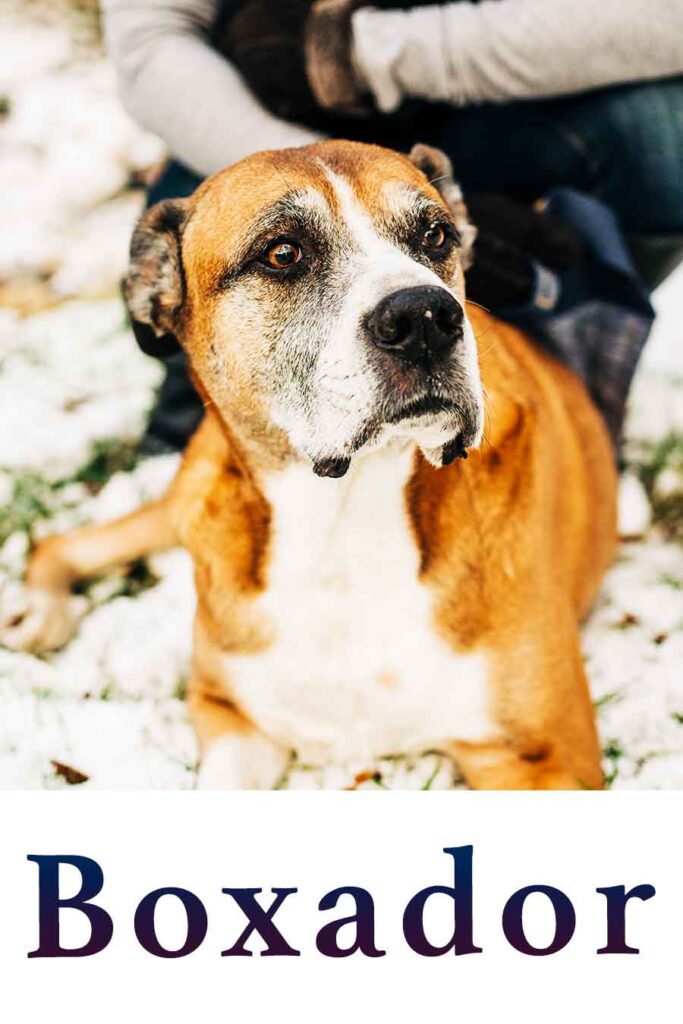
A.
pixel 74 392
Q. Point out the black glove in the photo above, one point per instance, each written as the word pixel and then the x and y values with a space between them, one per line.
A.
pixel 296 54
pixel 511 238
pixel 265 41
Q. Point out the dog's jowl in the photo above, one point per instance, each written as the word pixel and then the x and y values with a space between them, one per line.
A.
pixel 363 589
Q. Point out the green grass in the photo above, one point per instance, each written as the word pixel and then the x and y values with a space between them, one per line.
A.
pixel 668 453
pixel 138 579
pixel 108 456
pixel 432 778
pixel 655 457
pixel 613 752
pixel 32 499
pixel 180 692
pixel 608 698
pixel 668 513
pixel 675 582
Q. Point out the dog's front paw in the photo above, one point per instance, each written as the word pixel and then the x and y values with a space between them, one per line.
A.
pixel 37 621
pixel 242 761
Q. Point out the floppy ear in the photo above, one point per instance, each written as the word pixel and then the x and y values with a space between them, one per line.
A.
pixel 154 287
pixel 438 169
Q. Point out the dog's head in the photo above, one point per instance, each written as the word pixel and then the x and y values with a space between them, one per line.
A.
pixel 319 295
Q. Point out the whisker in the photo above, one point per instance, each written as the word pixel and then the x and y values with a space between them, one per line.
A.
pixel 488 349
pixel 479 306
pixel 478 336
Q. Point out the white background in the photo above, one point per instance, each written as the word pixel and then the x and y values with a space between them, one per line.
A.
pixel 389 843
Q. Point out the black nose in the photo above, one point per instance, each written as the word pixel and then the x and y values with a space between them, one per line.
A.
pixel 420 325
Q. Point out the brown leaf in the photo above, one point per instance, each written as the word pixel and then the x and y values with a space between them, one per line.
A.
pixel 364 777
pixel 72 776
pixel 628 620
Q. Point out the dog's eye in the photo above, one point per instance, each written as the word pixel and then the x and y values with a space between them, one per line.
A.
pixel 435 237
pixel 281 254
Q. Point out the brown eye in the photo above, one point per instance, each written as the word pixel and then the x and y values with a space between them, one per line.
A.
pixel 281 255
pixel 435 236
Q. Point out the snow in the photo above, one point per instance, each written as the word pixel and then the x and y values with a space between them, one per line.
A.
pixel 67 147
pixel 71 392
pixel 73 384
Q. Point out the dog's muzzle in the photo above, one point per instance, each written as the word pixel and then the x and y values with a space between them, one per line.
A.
pixel 413 336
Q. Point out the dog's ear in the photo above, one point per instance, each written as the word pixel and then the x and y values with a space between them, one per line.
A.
pixel 154 287
pixel 438 170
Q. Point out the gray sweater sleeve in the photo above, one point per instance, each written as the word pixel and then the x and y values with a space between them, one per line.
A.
pixel 177 86
pixel 498 50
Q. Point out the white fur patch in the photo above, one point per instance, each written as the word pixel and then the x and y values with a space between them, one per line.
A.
pixel 357 669
pixel 242 761
pixel 382 266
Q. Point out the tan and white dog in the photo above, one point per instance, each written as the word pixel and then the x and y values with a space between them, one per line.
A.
pixel 361 589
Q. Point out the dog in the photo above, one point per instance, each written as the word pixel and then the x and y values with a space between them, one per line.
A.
pixel 363 589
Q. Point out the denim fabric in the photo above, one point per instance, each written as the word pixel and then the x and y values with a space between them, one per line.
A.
pixel 622 145
pixel 176 182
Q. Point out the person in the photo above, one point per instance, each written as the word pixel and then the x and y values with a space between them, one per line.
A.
pixel 576 102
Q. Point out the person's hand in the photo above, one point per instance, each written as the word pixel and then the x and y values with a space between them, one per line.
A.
pixel 295 55
pixel 513 241
pixel 329 63
pixel 265 41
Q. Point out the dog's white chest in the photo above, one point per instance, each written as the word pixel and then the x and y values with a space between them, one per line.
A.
pixel 356 668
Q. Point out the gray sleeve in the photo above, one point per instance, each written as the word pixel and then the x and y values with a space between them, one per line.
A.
pixel 498 50
pixel 174 84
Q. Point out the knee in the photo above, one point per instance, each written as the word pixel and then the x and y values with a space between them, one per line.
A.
pixel 639 135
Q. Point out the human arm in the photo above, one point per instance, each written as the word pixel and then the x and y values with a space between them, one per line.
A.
pixel 176 85
pixel 502 50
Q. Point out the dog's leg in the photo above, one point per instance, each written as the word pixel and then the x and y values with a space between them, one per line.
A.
pixel 44 615
pixel 234 755
pixel 549 743
pixel 499 766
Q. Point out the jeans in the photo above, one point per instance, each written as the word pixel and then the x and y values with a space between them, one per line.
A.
pixel 623 145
